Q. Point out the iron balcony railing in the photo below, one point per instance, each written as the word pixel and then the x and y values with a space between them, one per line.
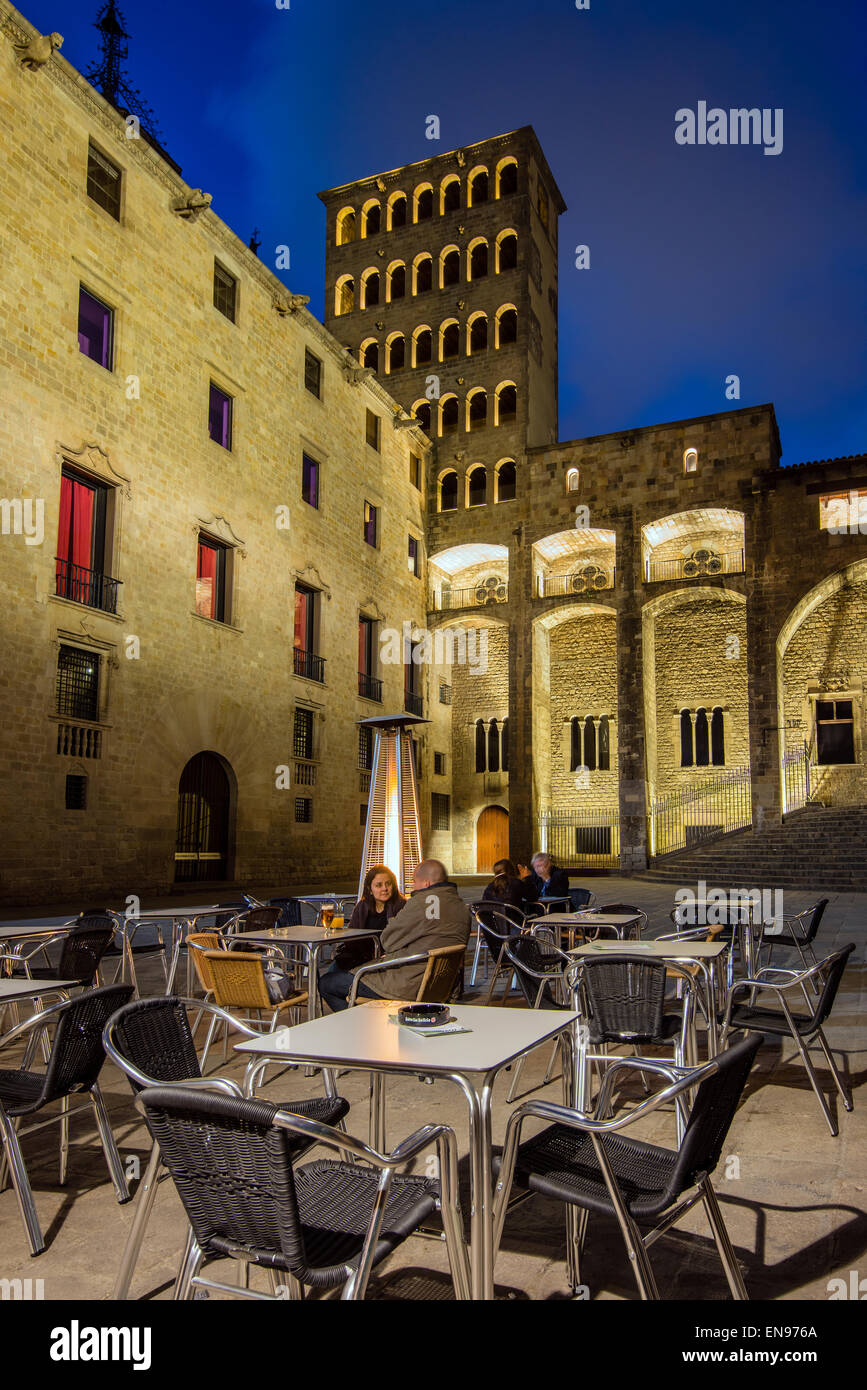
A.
pixel 369 688
pixel 86 586
pixel 699 565
pixel 580 839
pixel 589 579
pixel 412 703
pixel 797 781
pixel 305 774
pixel 701 812
pixel 483 595
pixel 309 665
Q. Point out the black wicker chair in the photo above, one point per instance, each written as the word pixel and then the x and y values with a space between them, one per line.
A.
pixel 803 1028
pixel 638 929
pixel 539 969
pixel 496 924
pixel 74 1063
pixel 320 1225
pixel 514 916
pixel 590 1166
pixel 82 948
pixel 798 932
pixel 151 1041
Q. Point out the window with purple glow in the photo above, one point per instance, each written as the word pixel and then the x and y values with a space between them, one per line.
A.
pixel 371 514
pixel 414 567
pixel 309 481
pixel 220 417
pixel 94 328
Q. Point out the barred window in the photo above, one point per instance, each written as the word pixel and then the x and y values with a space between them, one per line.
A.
pixel 103 181
pixel 365 748
pixel 302 743
pixel 225 291
pixel 312 373
pixel 440 811
pixel 78 683
pixel 76 793
pixel 440 764
pixel 303 810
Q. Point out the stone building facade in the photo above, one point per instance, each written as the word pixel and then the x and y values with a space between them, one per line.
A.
pixel 217 513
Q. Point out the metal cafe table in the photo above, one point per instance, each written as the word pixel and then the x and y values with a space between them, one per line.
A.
pixel 310 940
pixel 570 923
pixel 364 1038
pixel 181 918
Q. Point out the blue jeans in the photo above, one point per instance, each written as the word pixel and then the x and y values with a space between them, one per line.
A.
pixel 335 985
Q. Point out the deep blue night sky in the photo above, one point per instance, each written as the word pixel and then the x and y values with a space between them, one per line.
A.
pixel 705 261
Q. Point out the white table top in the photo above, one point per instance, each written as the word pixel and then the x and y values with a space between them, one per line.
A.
pixel 589 919
pixel 305 935
pixel 12 990
pixel 11 931
pixel 173 913
pixel 660 950
pixel 365 1037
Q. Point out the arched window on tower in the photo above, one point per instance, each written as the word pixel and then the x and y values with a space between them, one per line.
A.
pixel 371 218
pixel 422 413
pixel 450 267
pixel 397 210
pixel 478 334
pixel 396 353
pixel 397 281
pixel 507 251
pixel 449 415
pixel 345 226
pixel 477 410
pixel 507 327
pixel 423 203
pixel 604 745
pixel 702 742
pixel 717 738
pixel 507 404
pixel 449 492
pixel 450 194
pixel 574 744
pixel 370 354
pixel 369 289
pixel 478 266
pixel 506 481
pixel 423 346
pixel 477 487
pixel 423 272
pixel 344 295
pixel 590 743
pixel 478 189
pixel 451 340
pixel 481 747
pixel 507 178
pixel 686 755
pixel 493 747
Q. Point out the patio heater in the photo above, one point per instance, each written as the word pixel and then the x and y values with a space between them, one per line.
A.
pixel 392 831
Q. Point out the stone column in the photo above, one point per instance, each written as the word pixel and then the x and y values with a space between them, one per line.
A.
pixel 630 697
pixel 521 824
pixel 761 658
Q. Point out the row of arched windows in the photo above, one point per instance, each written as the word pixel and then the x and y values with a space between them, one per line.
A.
pixel 492 746
pixel 475 410
pixel 393 283
pixel 702 739
pixel 451 340
pixel 399 209
pixel 476 486
pixel 590 745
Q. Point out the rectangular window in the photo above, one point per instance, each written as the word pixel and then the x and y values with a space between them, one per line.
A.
pixel 835 731
pixel 225 291
pixel 76 793
pixel 593 840
pixel 413 556
pixel 440 806
pixel 220 417
pixel 366 649
pixel 371 514
pixel 302 741
pixel 844 513
pixel 440 764
pixel 372 430
pixel 445 694
pixel 95 323
pixel 309 481
pixel 77 683
pixel 303 810
pixel 415 471
pixel 81 533
pixel 312 374
pixel 305 618
pixel 211 580
pixel 365 748
pixel 362 819
pixel 103 182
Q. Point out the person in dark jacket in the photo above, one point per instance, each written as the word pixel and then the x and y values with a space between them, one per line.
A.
pixel 380 900
pixel 507 889
pixel 548 881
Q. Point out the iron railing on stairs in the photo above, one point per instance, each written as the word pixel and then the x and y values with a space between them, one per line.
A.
pixel 702 812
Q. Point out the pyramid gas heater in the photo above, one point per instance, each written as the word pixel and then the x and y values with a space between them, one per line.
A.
pixel 392 832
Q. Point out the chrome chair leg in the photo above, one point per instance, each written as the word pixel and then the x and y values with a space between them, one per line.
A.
pixel 109 1147
pixel 64 1138
pixel 814 1082
pixel 725 1250
pixel 208 1040
pixel 147 1191
pixel 845 1093
pixel 576 1227
pixel 476 957
pixel 21 1184
pixel 190 1266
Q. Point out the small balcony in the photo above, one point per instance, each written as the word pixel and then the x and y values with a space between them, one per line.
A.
pixel 89 587
pixel 412 703
pixel 700 564
pixel 369 688
pixel 305 774
pixel 589 579
pixel 484 595
pixel 309 665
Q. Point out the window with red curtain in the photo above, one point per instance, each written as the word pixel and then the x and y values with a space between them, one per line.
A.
pixel 80 536
pixel 210 581
pixel 304 599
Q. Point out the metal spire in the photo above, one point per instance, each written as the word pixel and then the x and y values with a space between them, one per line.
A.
pixel 108 75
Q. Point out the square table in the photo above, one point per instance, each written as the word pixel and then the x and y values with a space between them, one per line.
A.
pixel 311 941
pixel 34 930
pixel 363 1038
pixel 13 991
pixel 572 921
pixel 179 917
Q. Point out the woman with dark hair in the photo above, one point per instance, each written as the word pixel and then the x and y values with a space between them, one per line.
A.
pixel 507 889
pixel 380 900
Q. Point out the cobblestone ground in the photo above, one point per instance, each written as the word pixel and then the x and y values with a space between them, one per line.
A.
pixel 793 1197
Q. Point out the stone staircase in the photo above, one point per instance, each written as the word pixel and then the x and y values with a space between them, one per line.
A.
pixel 820 848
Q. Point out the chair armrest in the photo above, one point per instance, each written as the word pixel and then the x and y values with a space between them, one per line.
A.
pixel 561 1114
pixel 641 1064
pixel 384 965
pixel 319 1133
pixel 141 1078
pixel 40 1020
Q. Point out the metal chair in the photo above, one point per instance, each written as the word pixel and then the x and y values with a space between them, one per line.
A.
pixel 82 948
pixel 442 970
pixel 495 926
pixel 239 983
pixel 515 914
pixel 798 931
pixel 581 899
pixel 322 1225
pixel 803 1029
pixel 540 968
pixel 150 1040
pixel 626 907
pixel 74 1062
pixel 590 1166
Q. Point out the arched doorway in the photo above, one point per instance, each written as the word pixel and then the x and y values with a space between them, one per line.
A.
pixel 204 820
pixel 492 838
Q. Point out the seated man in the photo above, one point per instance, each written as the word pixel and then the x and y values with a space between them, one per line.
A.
pixel 434 916
pixel 547 879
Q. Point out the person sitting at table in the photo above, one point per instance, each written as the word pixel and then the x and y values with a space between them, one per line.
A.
pixel 380 900
pixel 434 916
pixel 547 879
pixel 507 889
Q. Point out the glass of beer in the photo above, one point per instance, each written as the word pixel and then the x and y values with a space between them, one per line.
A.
pixel 326 915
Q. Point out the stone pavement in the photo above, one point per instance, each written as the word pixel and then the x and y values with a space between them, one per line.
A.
pixel 793 1197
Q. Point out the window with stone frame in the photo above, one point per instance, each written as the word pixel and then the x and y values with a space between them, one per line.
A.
pixel 835 731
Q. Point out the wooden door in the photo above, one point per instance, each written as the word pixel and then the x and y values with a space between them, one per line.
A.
pixel 492 838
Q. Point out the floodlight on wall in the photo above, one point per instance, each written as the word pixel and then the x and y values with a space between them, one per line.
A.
pixel 392 831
